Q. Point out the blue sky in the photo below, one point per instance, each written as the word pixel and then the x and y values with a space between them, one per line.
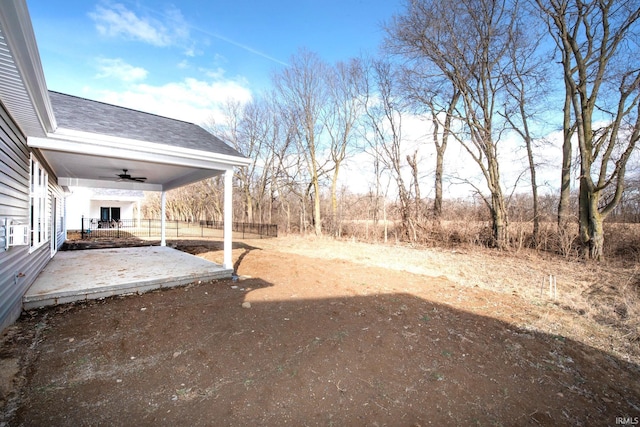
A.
pixel 184 59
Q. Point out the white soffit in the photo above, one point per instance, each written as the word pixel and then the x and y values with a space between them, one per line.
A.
pixel 23 88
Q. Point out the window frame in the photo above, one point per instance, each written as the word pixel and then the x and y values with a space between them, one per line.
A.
pixel 38 205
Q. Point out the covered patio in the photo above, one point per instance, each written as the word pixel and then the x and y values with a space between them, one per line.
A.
pixel 81 275
pixel 54 142
pixel 91 145
pixel 98 145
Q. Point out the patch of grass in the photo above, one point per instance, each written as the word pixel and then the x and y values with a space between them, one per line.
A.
pixel 437 376
pixel 182 391
pixel 339 336
pixel 82 361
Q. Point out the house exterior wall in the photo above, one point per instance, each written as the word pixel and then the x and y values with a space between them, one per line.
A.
pixel 126 208
pixel 19 266
pixel 77 207
pixel 81 203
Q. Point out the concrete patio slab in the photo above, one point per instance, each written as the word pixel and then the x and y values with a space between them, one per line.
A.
pixel 98 273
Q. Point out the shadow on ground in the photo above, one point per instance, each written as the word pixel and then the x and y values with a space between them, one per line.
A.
pixel 194 356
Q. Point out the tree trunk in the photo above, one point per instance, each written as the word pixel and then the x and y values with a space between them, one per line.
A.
pixel 288 211
pixel 413 164
pixel 405 210
pixel 498 207
pixel 591 223
pixel 303 217
pixel 499 217
pixel 564 212
pixel 249 202
pixel 441 147
pixel 384 218
pixel 437 202
pixel 317 222
pixel 534 193
pixel 334 202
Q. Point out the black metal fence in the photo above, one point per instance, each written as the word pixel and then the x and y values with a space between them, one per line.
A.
pixel 151 228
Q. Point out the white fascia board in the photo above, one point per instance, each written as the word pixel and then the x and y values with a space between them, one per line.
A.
pixel 21 40
pixel 68 140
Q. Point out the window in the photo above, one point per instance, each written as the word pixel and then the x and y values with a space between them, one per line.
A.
pixel 109 214
pixel 39 223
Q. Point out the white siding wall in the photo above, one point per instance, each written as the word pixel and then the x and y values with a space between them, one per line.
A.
pixel 18 266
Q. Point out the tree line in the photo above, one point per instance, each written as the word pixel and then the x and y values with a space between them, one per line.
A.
pixel 479 74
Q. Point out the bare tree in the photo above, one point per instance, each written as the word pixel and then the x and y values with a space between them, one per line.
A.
pixel 598 43
pixel 342 113
pixel 257 130
pixel 440 140
pixel 303 93
pixel 198 201
pixel 230 131
pixel 524 83
pixel 383 109
pixel 434 96
pixel 467 42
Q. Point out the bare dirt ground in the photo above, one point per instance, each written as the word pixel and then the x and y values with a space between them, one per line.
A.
pixel 335 333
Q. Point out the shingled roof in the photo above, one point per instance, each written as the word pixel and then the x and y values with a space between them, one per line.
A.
pixel 80 114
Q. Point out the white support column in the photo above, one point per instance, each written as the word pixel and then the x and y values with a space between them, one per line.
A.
pixel 228 218
pixel 163 214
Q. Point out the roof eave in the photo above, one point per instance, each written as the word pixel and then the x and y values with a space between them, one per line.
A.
pixel 16 27
pixel 73 141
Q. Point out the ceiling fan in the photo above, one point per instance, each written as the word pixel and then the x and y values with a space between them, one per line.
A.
pixel 126 177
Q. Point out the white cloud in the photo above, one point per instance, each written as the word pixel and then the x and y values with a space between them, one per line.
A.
pixel 190 100
pixel 115 20
pixel 218 73
pixel 118 69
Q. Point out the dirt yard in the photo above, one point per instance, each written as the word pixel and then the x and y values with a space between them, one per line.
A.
pixel 318 332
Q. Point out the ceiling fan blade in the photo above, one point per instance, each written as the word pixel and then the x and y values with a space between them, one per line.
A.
pixel 126 177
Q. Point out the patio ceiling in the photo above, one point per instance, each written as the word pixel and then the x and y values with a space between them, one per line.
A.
pixel 90 161
pixel 83 170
